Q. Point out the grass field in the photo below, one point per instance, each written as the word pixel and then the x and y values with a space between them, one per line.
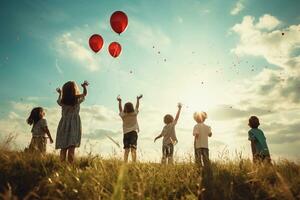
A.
pixel 26 176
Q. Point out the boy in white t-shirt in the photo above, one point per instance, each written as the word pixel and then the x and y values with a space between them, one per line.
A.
pixel 201 133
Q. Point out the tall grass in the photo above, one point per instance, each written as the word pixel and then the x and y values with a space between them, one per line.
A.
pixel 27 176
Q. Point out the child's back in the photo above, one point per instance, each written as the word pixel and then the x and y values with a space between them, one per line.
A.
pixel 260 150
pixel 169 134
pixel 258 136
pixel 130 122
pixel 203 132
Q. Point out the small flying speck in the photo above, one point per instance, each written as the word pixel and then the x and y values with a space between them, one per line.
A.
pixel 158 52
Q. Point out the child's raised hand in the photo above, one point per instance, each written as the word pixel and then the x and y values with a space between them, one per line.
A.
pixel 139 97
pixel 119 98
pixel 179 105
pixel 58 90
pixel 85 83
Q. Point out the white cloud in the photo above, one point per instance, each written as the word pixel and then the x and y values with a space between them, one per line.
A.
pixel 74 48
pixel 276 48
pixel 268 22
pixel 273 88
pixel 22 106
pixel 239 6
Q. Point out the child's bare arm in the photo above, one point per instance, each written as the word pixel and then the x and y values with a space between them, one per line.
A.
pixel 120 103
pixel 58 90
pixel 178 112
pixel 159 136
pixel 253 148
pixel 84 86
pixel 210 133
pixel 46 130
pixel 138 102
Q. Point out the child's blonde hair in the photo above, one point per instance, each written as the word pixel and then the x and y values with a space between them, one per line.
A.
pixel 200 117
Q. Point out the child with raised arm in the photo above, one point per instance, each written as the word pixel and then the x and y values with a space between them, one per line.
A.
pixel 39 130
pixel 201 133
pixel 169 137
pixel 130 127
pixel 69 130
pixel 260 150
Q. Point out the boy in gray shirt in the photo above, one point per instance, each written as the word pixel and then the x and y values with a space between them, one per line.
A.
pixel 169 137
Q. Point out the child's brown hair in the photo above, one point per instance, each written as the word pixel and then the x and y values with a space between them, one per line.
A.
pixel 254 122
pixel 70 93
pixel 128 107
pixel 35 115
pixel 168 119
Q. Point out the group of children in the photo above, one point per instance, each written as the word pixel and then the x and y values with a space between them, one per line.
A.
pixel 69 129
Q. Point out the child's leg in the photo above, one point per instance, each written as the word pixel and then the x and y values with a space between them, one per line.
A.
pixel 126 153
pixel 43 145
pixel 198 156
pixel 266 159
pixel 170 153
pixel 133 154
pixel 205 157
pixel 170 160
pixel 63 154
pixel 71 152
pixel 255 158
pixel 164 155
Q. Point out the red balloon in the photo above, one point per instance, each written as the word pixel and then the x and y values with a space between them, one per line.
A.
pixel 118 21
pixel 96 42
pixel 114 49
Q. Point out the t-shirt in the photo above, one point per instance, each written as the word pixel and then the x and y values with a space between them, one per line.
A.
pixel 168 133
pixel 38 128
pixel 259 139
pixel 130 121
pixel 203 131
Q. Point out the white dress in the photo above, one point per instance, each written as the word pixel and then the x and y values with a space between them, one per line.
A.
pixel 69 128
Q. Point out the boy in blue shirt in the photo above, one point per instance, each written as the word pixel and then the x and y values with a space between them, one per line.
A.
pixel 260 150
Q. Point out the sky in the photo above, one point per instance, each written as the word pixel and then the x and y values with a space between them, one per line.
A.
pixel 232 59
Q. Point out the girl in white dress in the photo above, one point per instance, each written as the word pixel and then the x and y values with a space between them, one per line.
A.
pixel 69 130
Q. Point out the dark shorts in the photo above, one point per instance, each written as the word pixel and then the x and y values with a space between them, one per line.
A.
pixel 168 150
pixel 202 157
pixel 130 140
